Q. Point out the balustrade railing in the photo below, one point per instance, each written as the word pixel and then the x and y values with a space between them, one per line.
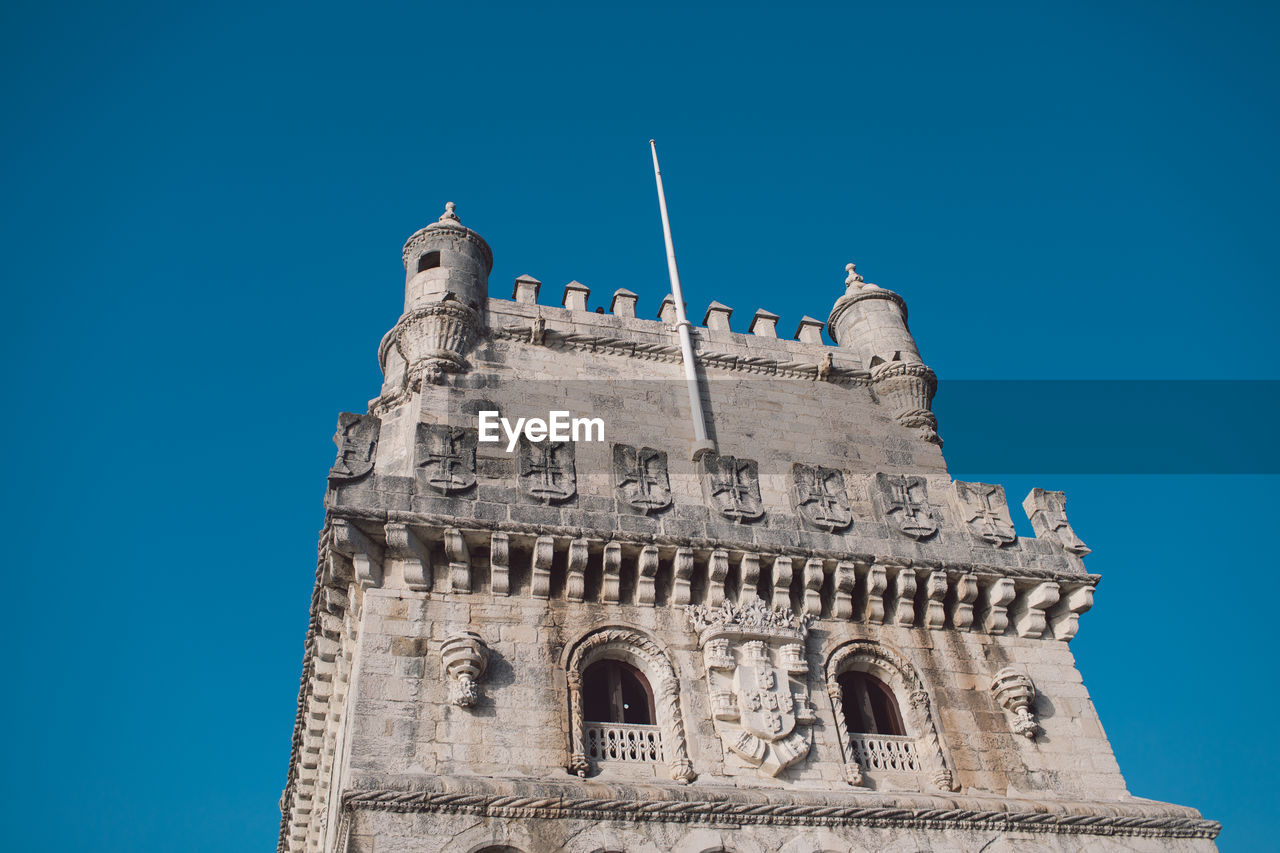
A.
pixel 884 752
pixel 623 742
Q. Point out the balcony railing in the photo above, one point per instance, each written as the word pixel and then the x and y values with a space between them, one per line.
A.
pixel 884 752
pixel 623 742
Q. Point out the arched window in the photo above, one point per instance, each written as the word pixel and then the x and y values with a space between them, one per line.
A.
pixel 869 706
pixel 624 704
pixel 883 718
pixel 617 692
pixel 428 261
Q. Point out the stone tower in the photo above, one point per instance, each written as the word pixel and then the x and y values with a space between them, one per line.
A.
pixel 809 639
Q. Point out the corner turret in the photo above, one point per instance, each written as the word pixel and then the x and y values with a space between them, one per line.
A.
pixel 446 292
pixel 872 321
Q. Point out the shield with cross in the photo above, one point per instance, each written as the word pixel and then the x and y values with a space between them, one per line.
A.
pixel 357 440
pixel 985 512
pixel 641 477
pixel 904 502
pixel 820 496
pixel 446 458
pixel 547 471
pixel 732 486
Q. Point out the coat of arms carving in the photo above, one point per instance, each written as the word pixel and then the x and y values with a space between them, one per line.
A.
pixel 641 477
pixel 357 440
pixel 732 486
pixel 446 458
pixel 546 470
pixel 820 497
pixel 985 512
pixel 757 673
pixel 904 501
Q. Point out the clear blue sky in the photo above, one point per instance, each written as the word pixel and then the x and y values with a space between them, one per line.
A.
pixel 203 213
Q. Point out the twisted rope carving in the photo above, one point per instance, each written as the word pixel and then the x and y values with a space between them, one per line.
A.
pixel 784 814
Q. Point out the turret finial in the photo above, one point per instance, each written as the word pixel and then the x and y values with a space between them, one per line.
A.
pixel 854 281
pixel 449 215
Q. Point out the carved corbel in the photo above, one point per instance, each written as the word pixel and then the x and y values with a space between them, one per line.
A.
pixel 904 592
pixel 813 576
pixel 749 574
pixel 782 569
pixel 413 554
pixel 1065 616
pixel 966 591
pixel 873 604
pixel 455 549
pixel 846 580
pixel 500 563
pixel 465 658
pixel 612 576
pixel 646 592
pixel 575 580
pixel 1017 695
pixel 544 550
pixel 682 582
pixel 366 555
pixel 935 615
pixel 995 618
pixel 717 571
pixel 1028 611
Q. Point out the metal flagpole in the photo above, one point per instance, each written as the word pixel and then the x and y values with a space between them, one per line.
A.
pixel 701 444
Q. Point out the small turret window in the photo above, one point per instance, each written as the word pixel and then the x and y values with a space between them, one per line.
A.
pixel 869 706
pixel 429 261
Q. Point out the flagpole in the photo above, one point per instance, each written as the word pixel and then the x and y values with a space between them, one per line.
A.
pixel 701 444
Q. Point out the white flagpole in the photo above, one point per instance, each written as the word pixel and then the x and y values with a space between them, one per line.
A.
pixel 701 443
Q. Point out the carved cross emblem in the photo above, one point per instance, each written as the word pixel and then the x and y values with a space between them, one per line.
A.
pixel 641 476
pixel 547 470
pixel 820 496
pixel 985 511
pixel 732 486
pixel 446 457
pixel 357 440
pixel 906 506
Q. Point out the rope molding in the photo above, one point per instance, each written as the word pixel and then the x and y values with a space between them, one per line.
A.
pixel 781 814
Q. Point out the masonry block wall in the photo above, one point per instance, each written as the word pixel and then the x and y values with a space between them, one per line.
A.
pixel 465 591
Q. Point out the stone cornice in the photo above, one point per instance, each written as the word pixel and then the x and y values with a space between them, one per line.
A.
pixel 736 806
pixel 558 531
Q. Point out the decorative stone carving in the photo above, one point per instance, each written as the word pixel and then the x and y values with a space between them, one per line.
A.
pixel 904 503
pixel 446 458
pixel 434 339
pixel 465 658
pixel 985 512
pixel 896 672
pixel 641 477
pixel 819 497
pixel 754 655
pixel 547 470
pixel 732 486
pixel 1048 514
pixel 1017 695
pixel 357 440
pixel 907 390
pixel 413 553
pixel 635 648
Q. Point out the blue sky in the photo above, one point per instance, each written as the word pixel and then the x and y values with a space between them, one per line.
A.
pixel 204 207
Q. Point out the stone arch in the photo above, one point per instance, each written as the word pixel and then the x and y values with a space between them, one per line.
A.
pixel 491 836
pixel 632 646
pixel 892 668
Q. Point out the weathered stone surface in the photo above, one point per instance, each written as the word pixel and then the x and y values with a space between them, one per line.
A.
pixel 465 593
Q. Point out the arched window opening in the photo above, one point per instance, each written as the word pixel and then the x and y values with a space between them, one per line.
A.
pixel 616 692
pixel 428 261
pixel 869 706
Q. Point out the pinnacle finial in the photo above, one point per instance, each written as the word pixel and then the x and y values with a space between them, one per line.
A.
pixel 449 215
pixel 853 277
